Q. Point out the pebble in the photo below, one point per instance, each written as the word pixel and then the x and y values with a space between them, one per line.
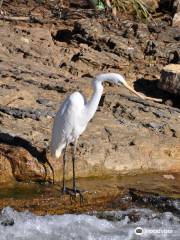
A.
pixel 154 125
pixel 25 40
pixel 154 28
pixel 144 108
pixel 44 101
pixel 169 176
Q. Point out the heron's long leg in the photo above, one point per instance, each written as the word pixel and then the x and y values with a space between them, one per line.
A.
pixel 64 169
pixel 65 190
pixel 75 190
pixel 73 163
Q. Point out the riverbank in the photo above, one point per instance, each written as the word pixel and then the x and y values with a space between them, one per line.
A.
pixel 154 191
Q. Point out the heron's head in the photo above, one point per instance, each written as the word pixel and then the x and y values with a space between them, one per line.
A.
pixel 116 78
pixel 113 78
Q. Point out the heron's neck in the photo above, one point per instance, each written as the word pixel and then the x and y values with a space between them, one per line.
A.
pixel 92 104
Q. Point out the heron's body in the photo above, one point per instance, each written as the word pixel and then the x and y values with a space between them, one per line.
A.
pixel 69 123
pixel 73 116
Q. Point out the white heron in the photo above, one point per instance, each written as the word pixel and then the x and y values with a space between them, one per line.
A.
pixel 73 116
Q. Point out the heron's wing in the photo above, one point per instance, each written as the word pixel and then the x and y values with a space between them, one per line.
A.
pixel 65 121
pixel 84 98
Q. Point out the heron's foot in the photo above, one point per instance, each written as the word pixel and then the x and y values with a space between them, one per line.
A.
pixel 73 193
pixel 77 192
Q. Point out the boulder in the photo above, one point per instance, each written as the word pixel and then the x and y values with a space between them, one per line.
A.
pixel 6 174
pixel 16 163
pixel 170 78
pixel 176 6
pixel 176 20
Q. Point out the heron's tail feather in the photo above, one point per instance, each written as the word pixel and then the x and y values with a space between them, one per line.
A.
pixel 56 152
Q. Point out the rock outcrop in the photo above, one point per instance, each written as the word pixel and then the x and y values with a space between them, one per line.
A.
pixel 176 6
pixel 170 78
pixel 43 62
pixel 125 136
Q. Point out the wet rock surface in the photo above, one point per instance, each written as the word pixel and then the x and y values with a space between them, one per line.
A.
pixel 100 194
pixel 6 221
pixel 162 203
pixel 42 63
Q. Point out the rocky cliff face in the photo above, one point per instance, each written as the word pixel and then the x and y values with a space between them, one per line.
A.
pixel 41 63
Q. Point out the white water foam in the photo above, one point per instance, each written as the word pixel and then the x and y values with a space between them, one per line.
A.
pixel 28 226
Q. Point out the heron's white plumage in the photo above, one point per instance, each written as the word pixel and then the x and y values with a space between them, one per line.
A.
pixel 68 123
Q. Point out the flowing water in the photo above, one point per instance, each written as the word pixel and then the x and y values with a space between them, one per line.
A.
pixel 137 222
pixel 114 225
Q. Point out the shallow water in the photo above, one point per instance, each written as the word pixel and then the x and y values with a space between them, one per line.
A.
pixel 169 187
pixel 28 226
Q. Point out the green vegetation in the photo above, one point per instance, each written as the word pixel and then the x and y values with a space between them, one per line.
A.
pixel 97 4
pixel 137 7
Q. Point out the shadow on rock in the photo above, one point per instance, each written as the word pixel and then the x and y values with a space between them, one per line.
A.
pixel 150 89
pixel 16 141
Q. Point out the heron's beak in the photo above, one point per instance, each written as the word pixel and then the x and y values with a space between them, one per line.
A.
pixel 139 95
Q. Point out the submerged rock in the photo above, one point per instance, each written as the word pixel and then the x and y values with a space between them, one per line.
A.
pixel 158 201
pixel 6 219
pixel 7 222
